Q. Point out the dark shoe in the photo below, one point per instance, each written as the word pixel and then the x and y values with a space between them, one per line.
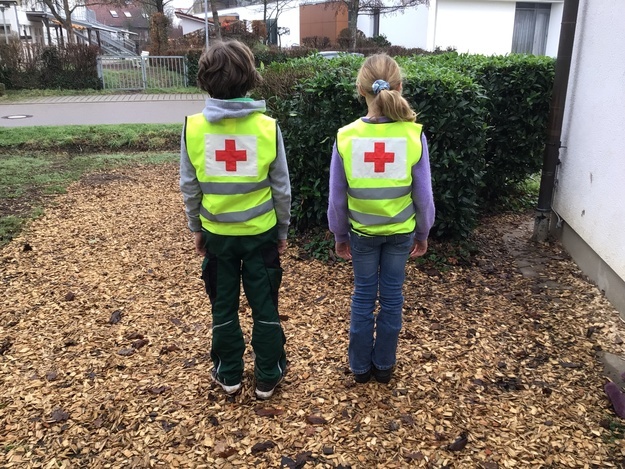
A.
pixel 264 390
pixel 362 377
pixel 382 376
pixel 229 389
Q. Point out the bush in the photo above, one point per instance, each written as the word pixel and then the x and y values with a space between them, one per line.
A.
pixel 451 108
pixel 159 33
pixel 316 42
pixel 192 56
pixel 322 100
pixel 518 88
pixel 18 65
pixel 380 41
pixel 266 55
pixel 319 97
pixel 73 66
pixel 344 39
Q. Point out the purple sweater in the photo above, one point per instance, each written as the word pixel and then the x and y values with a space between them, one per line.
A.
pixel 422 197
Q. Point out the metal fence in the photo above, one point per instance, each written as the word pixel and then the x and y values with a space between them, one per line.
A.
pixel 139 73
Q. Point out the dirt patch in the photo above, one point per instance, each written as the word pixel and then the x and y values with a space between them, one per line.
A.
pixel 104 340
pixel 20 206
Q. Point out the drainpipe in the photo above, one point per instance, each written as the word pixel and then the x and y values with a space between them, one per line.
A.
pixel 556 116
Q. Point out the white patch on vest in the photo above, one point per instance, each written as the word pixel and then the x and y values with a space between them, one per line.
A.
pixel 231 155
pixel 382 158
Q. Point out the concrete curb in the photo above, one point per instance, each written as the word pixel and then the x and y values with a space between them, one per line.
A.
pixel 111 98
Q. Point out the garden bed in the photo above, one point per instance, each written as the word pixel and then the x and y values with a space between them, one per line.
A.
pixel 104 341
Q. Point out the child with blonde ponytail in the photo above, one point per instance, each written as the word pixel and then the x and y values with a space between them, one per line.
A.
pixel 380 210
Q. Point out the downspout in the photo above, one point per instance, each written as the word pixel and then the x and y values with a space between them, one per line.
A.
pixel 556 117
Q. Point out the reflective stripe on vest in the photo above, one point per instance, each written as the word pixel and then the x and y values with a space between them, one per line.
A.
pixel 231 158
pixel 378 161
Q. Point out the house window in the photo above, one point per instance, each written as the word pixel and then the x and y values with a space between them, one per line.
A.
pixel 127 14
pixel 5 29
pixel 376 22
pixel 114 14
pixel 531 24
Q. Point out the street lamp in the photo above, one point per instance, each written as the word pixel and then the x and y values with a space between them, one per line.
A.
pixel 206 22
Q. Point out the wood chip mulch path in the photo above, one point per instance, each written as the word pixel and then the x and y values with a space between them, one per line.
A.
pixel 104 335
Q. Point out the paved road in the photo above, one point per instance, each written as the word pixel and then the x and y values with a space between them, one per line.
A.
pixel 102 109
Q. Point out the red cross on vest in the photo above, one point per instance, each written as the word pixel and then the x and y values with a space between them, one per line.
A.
pixel 231 155
pixel 379 157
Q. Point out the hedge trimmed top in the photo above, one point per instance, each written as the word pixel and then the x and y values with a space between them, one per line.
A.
pixel 485 119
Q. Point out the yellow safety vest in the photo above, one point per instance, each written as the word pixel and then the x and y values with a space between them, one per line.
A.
pixel 231 159
pixel 378 161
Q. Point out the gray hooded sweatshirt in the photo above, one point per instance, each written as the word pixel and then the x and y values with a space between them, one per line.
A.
pixel 215 110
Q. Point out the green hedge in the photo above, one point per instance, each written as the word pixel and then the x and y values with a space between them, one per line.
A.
pixel 477 148
pixel 73 66
pixel 518 88
pixel 451 108
pixel 310 111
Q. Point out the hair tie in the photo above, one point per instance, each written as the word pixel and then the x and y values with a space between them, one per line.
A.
pixel 380 85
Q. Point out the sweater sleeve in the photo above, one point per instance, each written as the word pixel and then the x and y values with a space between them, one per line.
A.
pixel 190 187
pixel 281 187
pixel 338 220
pixel 422 196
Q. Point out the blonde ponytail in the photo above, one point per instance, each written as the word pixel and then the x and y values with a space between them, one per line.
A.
pixel 380 79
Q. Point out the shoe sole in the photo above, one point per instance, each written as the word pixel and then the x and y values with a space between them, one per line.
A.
pixel 264 395
pixel 229 390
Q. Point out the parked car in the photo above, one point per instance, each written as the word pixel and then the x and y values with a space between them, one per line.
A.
pixel 331 54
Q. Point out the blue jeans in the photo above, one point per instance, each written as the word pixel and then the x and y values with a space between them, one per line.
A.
pixel 379 266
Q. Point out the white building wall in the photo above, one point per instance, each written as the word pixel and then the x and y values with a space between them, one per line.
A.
pixel 189 26
pixel 12 18
pixel 471 26
pixel 288 17
pixel 406 28
pixel 590 191
pixel 482 26
pixel 476 27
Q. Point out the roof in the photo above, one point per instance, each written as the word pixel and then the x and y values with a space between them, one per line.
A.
pixel 41 15
pixel 200 19
pixel 127 16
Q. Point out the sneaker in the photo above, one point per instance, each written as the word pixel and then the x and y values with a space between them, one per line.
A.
pixel 382 376
pixel 264 390
pixel 362 377
pixel 228 389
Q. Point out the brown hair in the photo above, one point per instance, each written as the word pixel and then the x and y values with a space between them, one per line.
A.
pixel 389 103
pixel 227 70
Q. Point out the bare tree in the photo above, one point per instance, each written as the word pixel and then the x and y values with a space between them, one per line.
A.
pixel 153 6
pixel 62 12
pixel 272 10
pixel 216 23
pixel 356 7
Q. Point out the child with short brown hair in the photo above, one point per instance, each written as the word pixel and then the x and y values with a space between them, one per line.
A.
pixel 235 183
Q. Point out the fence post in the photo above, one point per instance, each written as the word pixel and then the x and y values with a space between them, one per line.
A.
pixel 186 71
pixel 143 72
pixel 100 71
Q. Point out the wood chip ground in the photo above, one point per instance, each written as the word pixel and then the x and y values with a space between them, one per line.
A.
pixel 104 341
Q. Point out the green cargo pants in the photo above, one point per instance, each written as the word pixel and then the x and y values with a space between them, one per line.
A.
pixel 254 259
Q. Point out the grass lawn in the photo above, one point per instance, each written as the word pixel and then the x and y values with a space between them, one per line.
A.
pixel 18 95
pixel 37 162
